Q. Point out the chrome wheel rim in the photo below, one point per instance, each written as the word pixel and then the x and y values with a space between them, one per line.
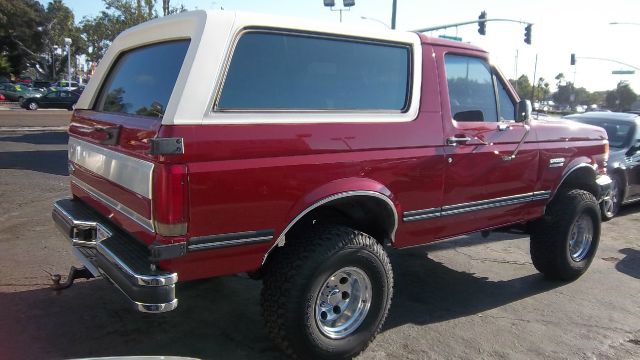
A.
pixel 611 201
pixel 33 106
pixel 580 237
pixel 343 302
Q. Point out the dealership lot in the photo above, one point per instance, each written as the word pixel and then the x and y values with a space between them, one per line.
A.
pixel 465 298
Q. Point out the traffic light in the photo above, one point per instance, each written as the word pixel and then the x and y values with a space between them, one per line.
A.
pixel 573 59
pixel 482 23
pixel 527 34
pixel 329 3
pixel 348 3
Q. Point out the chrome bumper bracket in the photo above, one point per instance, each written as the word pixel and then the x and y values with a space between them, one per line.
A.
pixel 122 260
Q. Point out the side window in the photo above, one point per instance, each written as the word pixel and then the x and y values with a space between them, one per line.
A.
pixel 273 71
pixel 507 109
pixel 142 79
pixel 471 92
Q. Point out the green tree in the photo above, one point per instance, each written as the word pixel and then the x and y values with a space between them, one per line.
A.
pixel 560 79
pixel 626 96
pixel 611 100
pixel 101 30
pixel 21 32
pixel 542 90
pixel 60 24
pixel 621 98
pixel 5 67
pixel 522 86
pixel 564 94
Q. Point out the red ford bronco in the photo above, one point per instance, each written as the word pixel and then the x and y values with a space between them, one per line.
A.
pixel 216 143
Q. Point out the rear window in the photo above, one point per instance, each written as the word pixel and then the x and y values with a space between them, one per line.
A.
pixel 141 80
pixel 275 71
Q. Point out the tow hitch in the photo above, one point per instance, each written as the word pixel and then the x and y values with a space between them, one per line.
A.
pixel 75 273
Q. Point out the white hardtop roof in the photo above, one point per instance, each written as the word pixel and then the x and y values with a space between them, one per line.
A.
pixel 212 33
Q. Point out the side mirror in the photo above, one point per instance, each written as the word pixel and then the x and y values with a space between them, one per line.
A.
pixel 634 148
pixel 523 111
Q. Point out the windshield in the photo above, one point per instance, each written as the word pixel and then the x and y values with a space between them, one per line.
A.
pixel 618 132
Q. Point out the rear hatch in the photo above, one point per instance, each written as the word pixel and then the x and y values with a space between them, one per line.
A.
pixel 111 164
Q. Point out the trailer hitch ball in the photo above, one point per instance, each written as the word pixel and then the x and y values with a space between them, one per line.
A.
pixel 75 273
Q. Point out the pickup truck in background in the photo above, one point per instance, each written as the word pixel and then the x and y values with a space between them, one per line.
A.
pixel 216 143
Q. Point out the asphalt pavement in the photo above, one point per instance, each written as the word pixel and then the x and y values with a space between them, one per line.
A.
pixel 468 298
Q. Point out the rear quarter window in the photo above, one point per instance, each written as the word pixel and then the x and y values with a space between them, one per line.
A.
pixel 283 71
pixel 141 80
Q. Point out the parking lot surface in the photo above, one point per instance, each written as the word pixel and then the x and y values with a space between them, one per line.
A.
pixel 467 298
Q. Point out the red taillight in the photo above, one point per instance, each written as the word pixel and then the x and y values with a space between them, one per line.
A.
pixel 170 199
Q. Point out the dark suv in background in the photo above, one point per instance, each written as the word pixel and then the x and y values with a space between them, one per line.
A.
pixel 623 166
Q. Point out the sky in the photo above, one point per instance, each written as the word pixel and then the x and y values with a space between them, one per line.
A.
pixel 561 27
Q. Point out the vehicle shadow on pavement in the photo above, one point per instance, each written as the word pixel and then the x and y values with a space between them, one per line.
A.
pixel 628 210
pixel 39 138
pixel 218 318
pixel 51 161
pixel 426 291
pixel 630 264
pixel 221 318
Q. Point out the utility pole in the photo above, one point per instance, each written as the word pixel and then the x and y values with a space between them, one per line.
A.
pixel 516 66
pixel 53 61
pixel 533 85
pixel 67 43
pixel 393 14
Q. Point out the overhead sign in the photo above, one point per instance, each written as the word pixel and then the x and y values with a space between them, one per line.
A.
pixel 454 38
pixel 623 72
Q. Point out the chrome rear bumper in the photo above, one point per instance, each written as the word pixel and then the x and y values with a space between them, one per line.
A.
pixel 119 258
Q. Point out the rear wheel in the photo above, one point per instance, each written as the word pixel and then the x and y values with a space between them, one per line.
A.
pixel 611 204
pixel 565 240
pixel 327 295
pixel 32 105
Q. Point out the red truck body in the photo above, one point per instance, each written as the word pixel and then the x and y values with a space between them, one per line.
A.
pixel 260 177
pixel 200 191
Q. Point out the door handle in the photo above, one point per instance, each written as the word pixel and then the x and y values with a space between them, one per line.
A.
pixel 455 140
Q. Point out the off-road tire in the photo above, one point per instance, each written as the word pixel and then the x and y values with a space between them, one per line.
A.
pixel 550 235
pixel 294 276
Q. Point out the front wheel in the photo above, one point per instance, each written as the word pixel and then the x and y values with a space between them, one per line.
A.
pixel 564 242
pixel 327 293
pixel 32 106
pixel 611 204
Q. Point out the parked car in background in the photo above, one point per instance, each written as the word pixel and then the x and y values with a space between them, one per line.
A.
pixel 64 85
pixel 623 166
pixel 17 92
pixel 53 100
pixel 41 85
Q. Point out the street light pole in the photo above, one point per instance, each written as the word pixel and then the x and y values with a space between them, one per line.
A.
pixel 376 20
pixel 393 14
pixel 67 43
pixel 53 61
